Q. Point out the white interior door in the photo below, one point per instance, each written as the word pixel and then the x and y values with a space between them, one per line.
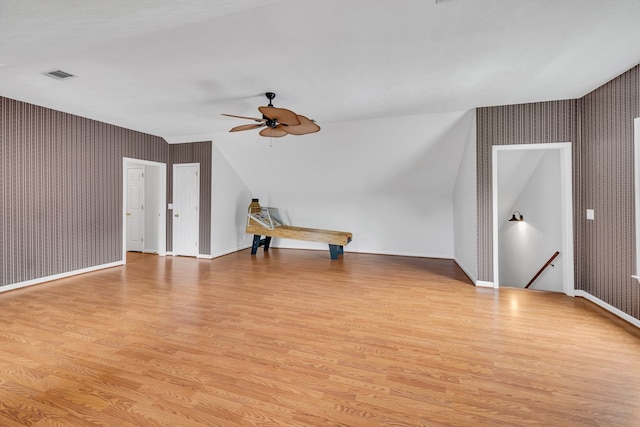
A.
pixel 135 208
pixel 186 217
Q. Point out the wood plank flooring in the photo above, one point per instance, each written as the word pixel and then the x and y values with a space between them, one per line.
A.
pixel 291 338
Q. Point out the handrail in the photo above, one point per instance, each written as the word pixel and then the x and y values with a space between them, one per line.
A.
pixel 542 269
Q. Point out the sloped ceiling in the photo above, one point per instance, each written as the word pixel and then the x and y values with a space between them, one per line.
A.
pixel 515 172
pixel 170 68
pixel 416 154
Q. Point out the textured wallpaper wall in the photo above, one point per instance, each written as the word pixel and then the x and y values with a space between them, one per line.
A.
pixel 600 126
pixel 608 243
pixel 61 189
pixel 542 122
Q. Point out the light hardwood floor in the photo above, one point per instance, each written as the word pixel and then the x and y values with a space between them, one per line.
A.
pixel 292 338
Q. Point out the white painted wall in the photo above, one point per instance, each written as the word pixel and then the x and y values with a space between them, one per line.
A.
pixel 465 209
pixel 386 223
pixel 389 181
pixel 526 246
pixel 229 203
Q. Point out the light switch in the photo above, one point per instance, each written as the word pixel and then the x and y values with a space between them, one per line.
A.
pixel 170 206
pixel 591 214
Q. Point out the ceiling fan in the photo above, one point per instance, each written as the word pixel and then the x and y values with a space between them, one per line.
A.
pixel 277 122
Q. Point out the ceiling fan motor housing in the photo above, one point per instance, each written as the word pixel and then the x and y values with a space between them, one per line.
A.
pixel 270 122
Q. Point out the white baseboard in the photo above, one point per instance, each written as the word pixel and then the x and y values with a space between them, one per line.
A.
pixel 483 284
pixel 59 276
pixel 215 254
pixel 462 267
pixel 362 251
pixel 407 254
pixel 229 251
pixel 203 256
pixel 635 322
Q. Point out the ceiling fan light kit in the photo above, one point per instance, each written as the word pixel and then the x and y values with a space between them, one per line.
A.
pixel 277 122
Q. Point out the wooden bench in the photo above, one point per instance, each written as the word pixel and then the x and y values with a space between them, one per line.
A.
pixel 261 225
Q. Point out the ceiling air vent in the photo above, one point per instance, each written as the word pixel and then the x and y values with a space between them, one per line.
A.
pixel 59 74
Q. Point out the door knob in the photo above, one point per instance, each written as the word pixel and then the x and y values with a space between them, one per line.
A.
pixel 128 213
pixel 176 215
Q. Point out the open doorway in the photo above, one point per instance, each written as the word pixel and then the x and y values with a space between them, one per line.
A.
pixel 532 183
pixel 143 208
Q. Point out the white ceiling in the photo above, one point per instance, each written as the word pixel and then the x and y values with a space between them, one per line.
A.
pixel 171 67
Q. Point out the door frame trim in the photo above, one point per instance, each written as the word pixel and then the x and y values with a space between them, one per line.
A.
pixel 636 193
pixel 566 189
pixel 173 190
pixel 128 167
pixel 162 198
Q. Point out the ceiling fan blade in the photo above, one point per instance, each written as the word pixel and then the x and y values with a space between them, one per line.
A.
pixel 306 126
pixel 275 132
pixel 244 117
pixel 282 115
pixel 247 127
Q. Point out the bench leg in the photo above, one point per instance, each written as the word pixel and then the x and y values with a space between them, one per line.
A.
pixel 256 244
pixel 335 250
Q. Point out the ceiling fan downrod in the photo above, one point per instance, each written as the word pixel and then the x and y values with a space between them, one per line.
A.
pixel 271 123
pixel 270 96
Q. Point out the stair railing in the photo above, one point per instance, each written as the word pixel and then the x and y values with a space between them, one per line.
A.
pixel 547 264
